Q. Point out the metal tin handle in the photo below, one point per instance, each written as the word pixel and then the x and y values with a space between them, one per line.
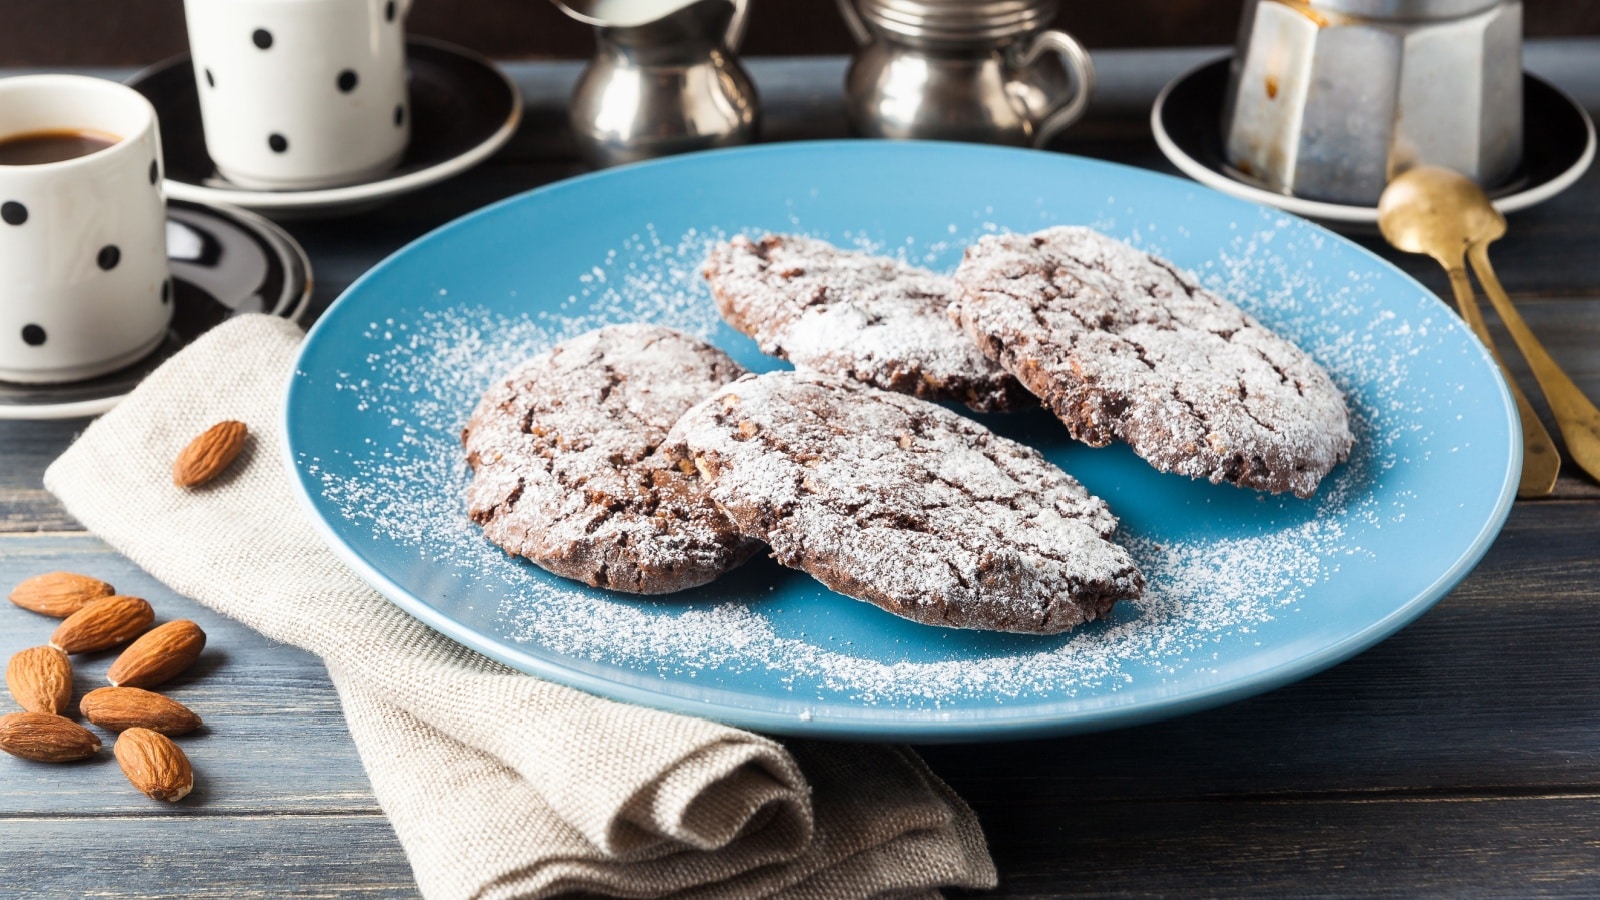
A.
pixel 1079 67
pixel 852 20
pixel 734 35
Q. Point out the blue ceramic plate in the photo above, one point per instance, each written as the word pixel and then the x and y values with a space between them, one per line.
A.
pixel 1246 591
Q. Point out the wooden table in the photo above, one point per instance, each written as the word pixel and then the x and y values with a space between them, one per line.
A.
pixel 1460 756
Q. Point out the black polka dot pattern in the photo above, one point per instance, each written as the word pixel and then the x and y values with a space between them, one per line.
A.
pixel 13 213
pixel 262 38
pixel 32 335
pixel 155 172
pixel 388 10
pixel 108 257
pixel 166 292
pixel 210 81
pixel 277 142
pixel 399 116
pixel 347 81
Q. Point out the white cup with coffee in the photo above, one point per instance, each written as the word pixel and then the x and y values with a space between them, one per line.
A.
pixel 301 94
pixel 83 239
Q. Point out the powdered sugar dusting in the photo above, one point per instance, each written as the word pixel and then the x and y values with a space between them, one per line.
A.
pixel 420 376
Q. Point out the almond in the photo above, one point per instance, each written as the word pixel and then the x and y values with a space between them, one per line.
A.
pixel 46 738
pixel 105 623
pixel 59 594
pixel 121 708
pixel 159 656
pixel 209 454
pixel 41 680
pixel 154 764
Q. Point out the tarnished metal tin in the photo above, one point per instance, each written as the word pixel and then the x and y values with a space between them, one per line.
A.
pixel 1329 106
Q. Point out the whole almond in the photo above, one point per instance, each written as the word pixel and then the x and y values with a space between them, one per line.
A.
pixel 161 655
pixel 105 623
pixel 46 738
pixel 121 708
pixel 154 764
pixel 209 454
pixel 41 680
pixel 59 594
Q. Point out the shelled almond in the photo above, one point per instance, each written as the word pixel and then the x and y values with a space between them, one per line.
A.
pixel 154 764
pixel 43 737
pixel 103 624
pixel 121 708
pixel 59 594
pixel 40 678
pixel 210 454
pixel 160 655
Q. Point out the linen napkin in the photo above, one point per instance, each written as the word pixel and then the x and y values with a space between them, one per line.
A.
pixel 497 784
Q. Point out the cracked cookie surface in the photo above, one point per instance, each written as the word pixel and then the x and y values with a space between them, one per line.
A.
pixel 905 504
pixel 1122 345
pixel 565 465
pixel 855 315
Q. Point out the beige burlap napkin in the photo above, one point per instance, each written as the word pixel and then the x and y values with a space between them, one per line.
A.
pixel 498 784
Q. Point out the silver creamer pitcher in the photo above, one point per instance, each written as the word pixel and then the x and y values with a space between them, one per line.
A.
pixel 964 70
pixel 663 80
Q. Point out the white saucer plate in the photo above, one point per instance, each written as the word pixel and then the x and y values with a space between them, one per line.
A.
pixel 463 109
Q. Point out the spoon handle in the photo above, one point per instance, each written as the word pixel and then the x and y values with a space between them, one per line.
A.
pixel 1541 463
pixel 1576 416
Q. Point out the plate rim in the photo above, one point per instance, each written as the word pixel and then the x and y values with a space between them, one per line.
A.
pixel 379 189
pixel 296 308
pixel 1345 213
pixel 930 726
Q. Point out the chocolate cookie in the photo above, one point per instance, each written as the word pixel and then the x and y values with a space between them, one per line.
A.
pixel 855 315
pixel 1122 345
pixel 565 468
pixel 905 504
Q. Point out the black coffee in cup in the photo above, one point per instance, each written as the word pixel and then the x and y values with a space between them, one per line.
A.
pixel 36 148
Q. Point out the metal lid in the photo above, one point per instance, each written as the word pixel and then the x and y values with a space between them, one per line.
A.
pixel 958 20
pixel 1404 10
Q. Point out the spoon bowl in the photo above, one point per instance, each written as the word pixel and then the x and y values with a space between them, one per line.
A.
pixel 1437 212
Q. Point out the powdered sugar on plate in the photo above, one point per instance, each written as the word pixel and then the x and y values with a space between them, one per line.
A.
pixel 421 373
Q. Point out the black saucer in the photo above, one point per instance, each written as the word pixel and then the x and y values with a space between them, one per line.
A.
pixel 223 262
pixel 1558 146
pixel 463 109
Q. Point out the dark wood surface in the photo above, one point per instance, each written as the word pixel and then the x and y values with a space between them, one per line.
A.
pixel 1461 756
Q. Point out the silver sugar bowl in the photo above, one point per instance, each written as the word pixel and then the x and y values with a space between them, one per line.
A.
pixel 664 79
pixel 1329 99
pixel 964 70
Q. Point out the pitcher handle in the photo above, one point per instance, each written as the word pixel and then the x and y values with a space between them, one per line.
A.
pixel 1079 66
pixel 852 20
pixel 734 34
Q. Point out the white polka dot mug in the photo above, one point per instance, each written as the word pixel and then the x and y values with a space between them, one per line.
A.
pixel 83 241
pixel 300 94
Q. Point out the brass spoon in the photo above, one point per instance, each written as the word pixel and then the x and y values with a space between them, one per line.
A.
pixel 1576 416
pixel 1422 211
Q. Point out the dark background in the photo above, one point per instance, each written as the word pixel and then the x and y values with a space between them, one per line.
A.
pixel 49 33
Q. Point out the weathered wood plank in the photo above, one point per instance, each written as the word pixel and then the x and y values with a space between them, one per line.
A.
pixel 174 853
pixel 26 449
pixel 274 739
pixel 1468 846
